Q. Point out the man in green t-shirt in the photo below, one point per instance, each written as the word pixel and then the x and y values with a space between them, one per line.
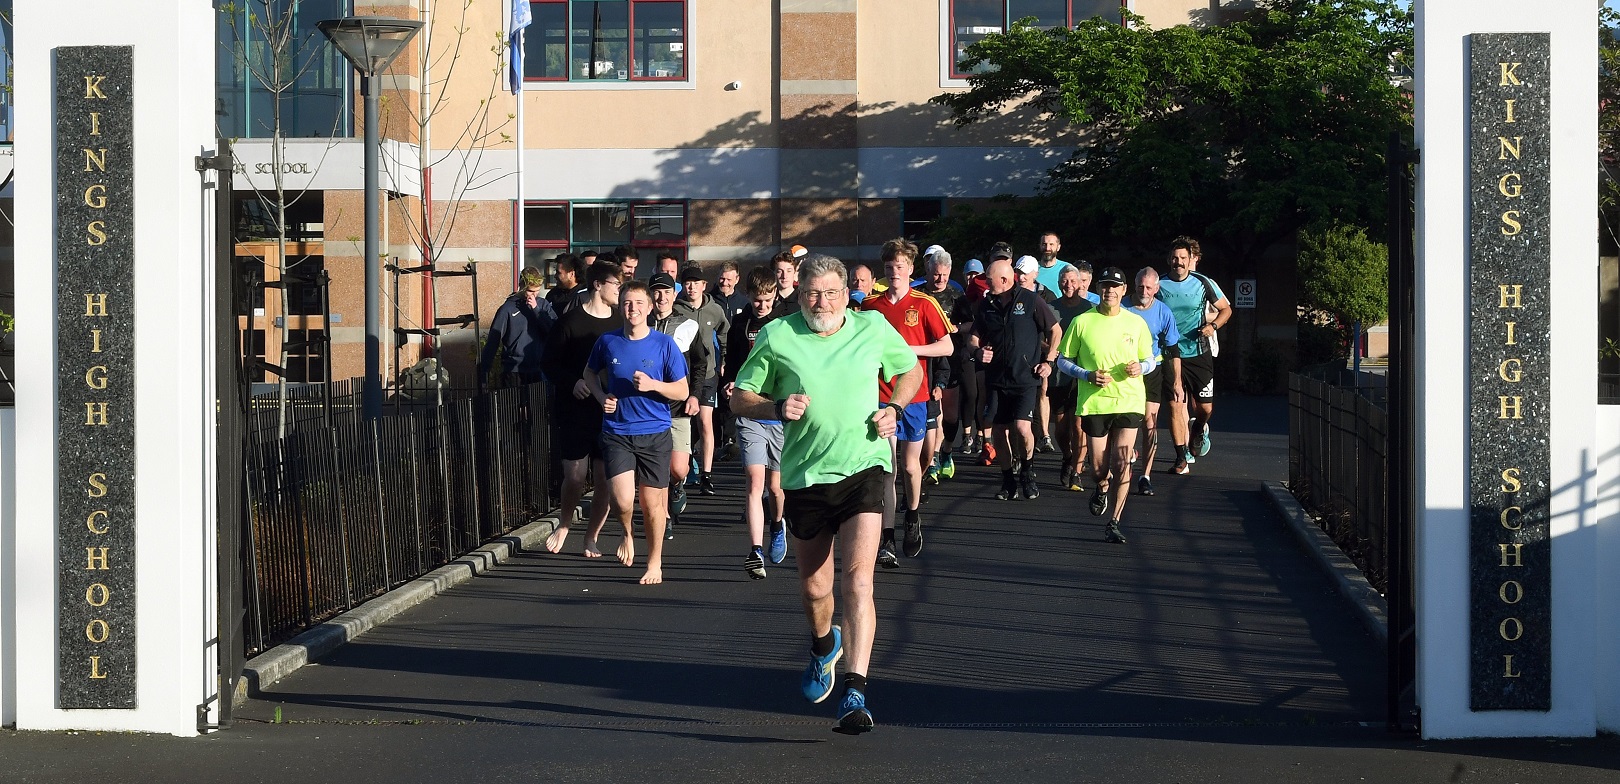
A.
pixel 1109 349
pixel 817 372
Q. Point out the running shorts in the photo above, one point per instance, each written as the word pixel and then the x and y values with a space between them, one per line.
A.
pixel 579 427
pixel 1006 406
pixel 646 455
pixel 1100 425
pixel 819 509
pixel 759 443
pixel 1198 376
pixel 912 423
pixel 680 433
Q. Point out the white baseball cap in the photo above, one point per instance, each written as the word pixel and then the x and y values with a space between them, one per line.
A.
pixel 932 249
pixel 1027 265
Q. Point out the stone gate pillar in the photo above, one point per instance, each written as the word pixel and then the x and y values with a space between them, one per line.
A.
pixel 109 593
pixel 1510 439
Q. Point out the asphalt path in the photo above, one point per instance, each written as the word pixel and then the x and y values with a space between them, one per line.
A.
pixel 1018 647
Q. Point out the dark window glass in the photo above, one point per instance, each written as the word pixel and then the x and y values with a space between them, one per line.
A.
pixel 1047 13
pixel 253 348
pixel 312 74
pixel 303 277
pixel 252 270
pixel 306 361
pixel 916 214
pixel 659 222
pixel 974 19
pixel 601 40
pixel 597 224
pixel 545 222
pixel 1085 9
pixel 660 40
pixel 545 42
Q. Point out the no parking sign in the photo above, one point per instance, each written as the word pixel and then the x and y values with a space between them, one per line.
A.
pixel 1243 293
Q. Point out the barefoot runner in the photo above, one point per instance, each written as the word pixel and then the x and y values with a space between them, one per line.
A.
pixel 635 373
pixel 579 418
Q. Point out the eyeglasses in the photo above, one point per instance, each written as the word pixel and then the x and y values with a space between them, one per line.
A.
pixel 817 296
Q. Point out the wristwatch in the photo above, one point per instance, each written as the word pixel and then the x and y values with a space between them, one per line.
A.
pixel 898 409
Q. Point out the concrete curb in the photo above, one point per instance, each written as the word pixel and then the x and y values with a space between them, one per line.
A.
pixel 1369 606
pixel 265 669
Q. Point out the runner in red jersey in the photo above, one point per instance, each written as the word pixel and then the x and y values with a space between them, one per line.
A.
pixel 919 319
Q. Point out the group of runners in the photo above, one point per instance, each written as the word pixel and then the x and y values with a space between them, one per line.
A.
pixel 848 393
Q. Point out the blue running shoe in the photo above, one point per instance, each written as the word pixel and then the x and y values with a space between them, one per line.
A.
pixel 818 678
pixel 1201 446
pixel 853 717
pixel 1188 457
pixel 778 542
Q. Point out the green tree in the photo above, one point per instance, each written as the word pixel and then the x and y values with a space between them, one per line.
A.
pixel 1241 133
pixel 1343 282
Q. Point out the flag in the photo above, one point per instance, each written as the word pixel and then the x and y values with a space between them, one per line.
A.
pixel 521 17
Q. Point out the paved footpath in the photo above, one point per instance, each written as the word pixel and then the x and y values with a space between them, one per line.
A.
pixel 1018 647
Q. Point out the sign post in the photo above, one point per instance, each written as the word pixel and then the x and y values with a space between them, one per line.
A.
pixel 1511 450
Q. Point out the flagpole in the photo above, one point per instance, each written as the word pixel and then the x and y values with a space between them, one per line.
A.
pixel 517 91
pixel 520 238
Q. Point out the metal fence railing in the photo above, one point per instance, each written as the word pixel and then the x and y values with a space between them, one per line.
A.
pixel 1337 467
pixel 343 508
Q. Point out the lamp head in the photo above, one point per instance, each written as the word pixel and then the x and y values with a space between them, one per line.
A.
pixel 370 42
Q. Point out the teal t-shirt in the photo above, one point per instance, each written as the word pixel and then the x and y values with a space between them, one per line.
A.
pixel 836 438
pixel 1047 277
pixel 1186 300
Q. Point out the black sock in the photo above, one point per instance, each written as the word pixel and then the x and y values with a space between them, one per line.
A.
pixel 821 646
pixel 910 513
pixel 856 681
pixel 1181 450
pixel 887 537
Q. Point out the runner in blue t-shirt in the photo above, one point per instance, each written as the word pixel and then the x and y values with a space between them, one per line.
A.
pixel 634 374
pixel 1162 325
pixel 1189 295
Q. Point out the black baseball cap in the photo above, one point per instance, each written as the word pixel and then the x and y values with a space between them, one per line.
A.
pixel 1113 275
pixel 691 272
pixel 661 280
pixel 1000 254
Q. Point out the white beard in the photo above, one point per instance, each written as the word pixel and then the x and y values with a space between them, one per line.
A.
pixel 826 324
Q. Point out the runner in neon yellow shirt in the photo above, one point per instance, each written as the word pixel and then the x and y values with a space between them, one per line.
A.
pixel 1109 349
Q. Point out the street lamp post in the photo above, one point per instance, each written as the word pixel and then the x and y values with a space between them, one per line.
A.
pixel 370 43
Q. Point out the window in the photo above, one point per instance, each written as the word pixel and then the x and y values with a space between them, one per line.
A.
pixel 316 92
pixel 916 214
pixel 306 356
pixel 972 20
pixel 551 228
pixel 606 40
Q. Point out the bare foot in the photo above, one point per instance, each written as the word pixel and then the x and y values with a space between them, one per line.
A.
pixel 627 552
pixel 554 542
pixel 591 551
pixel 654 576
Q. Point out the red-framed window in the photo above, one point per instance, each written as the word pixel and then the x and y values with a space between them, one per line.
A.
pixel 606 41
pixel 551 228
pixel 972 20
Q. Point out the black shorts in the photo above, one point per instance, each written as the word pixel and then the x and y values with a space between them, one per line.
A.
pixel 1100 425
pixel 1063 397
pixel 933 414
pixel 1198 376
pixel 647 455
pixel 823 508
pixel 1006 406
pixel 579 428
pixel 1154 384
pixel 709 395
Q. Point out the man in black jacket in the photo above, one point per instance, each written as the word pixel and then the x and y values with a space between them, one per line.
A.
pixel 518 333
